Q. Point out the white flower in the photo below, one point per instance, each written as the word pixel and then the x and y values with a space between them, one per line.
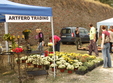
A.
pixel 24 58
pixel 61 66
pixel 58 62
pixel 16 59
pixel 29 60
pixel 67 64
pixel 46 63
pixel 34 62
pixel 50 44
pixel 53 65
pixel 70 67
pixel 63 61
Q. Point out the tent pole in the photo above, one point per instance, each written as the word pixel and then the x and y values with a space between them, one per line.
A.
pixel 6 42
pixel 6 32
pixel 52 28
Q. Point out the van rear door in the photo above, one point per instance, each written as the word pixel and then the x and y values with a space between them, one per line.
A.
pixel 67 35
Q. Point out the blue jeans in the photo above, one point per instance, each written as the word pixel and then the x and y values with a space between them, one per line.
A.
pixel 40 47
pixel 57 46
pixel 106 55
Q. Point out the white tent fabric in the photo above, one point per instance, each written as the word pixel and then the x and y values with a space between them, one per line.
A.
pixel 107 22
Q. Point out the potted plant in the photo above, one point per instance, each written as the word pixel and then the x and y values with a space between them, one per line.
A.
pixel 62 67
pixel 70 68
pixel 53 65
pixel 26 33
pixel 81 70
pixel 34 63
pixel 29 61
pixel 89 65
pixel 17 60
pixel 23 59
pixel 76 65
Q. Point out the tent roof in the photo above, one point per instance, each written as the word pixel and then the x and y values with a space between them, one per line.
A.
pixel 106 22
pixel 8 7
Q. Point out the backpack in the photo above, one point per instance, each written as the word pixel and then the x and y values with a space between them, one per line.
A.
pixel 107 39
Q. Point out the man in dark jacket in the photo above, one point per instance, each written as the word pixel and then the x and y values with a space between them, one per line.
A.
pixel 78 39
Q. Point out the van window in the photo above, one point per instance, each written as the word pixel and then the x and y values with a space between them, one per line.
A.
pixel 83 31
pixel 66 31
pixel 86 32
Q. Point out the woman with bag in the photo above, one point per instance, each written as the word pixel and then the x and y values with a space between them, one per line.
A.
pixel 111 39
pixel 105 46
pixel 40 38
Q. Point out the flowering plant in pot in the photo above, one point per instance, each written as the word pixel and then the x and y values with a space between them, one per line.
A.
pixel 46 64
pixel 26 33
pixel 34 63
pixel 70 68
pixel 50 44
pixel 53 65
pixel 17 50
pixel 23 59
pixel 90 65
pixel 77 65
pixel 62 67
pixel 17 60
pixel 29 61
pixel 82 70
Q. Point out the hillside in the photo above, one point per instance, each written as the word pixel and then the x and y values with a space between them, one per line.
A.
pixel 65 13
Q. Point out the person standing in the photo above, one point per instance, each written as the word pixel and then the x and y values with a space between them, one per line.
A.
pixel 96 35
pixel 92 45
pixel 111 39
pixel 78 39
pixel 40 38
pixel 56 42
pixel 105 48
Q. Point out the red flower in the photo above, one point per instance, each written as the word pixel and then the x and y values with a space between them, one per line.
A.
pixel 17 50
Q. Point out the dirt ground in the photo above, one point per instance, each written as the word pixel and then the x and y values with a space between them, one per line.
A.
pixel 97 75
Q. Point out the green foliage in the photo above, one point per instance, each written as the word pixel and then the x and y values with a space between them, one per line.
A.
pixel 109 2
pixel 82 68
pixel 6 37
pixel 88 64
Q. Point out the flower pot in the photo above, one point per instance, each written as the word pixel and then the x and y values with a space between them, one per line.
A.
pixel 75 69
pixel 62 70
pixel 29 64
pixel 35 65
pixel 39 66
pixel 46 67
pixel 46 53
pixel 18 62
pixel 50 52
pixel 70 71
pixel 23 61
pixel 50 62
pixel 53 69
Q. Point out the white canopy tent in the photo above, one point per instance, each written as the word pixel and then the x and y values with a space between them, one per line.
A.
pixel 107 22
pixel 9 9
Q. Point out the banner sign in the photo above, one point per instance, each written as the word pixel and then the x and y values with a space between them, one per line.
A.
pixel 23 18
